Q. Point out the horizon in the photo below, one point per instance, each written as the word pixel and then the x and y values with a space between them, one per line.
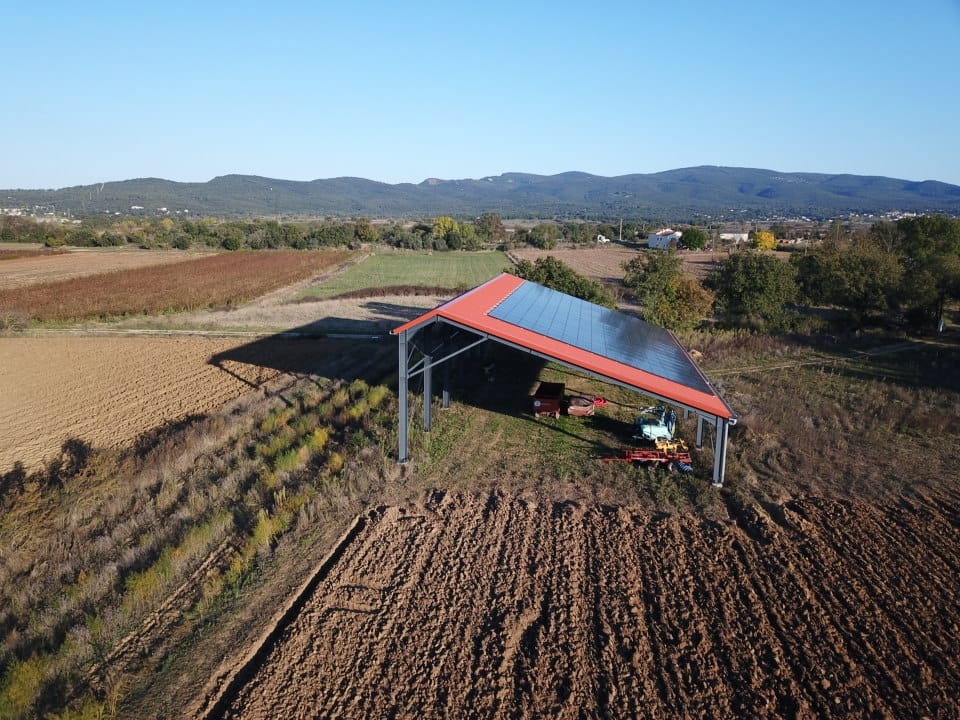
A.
pixel 402 94
pixel 464 179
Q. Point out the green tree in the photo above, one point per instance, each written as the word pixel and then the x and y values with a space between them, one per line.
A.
pixel 578 232
pixel 670 297
pixel 754 289
pixel 365 231
pixel 544 236
pixel 694 238
pixel 490 228
pixel 468 234
pixel 552 273
pixel 930 246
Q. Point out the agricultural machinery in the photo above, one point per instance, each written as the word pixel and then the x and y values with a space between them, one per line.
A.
pixel 656 426
pixel 551 399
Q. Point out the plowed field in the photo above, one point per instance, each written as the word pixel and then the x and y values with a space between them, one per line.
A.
pixel 108 390
pixel 80 263
pixel 504 607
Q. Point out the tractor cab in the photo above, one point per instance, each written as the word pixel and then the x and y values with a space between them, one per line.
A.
pixel 656 423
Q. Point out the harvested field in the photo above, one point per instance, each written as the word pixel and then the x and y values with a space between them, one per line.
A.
pixel 43 266
pixel 500 606
pixel 606 263
pixel 220 280
pixel 108 390
pixel 597 263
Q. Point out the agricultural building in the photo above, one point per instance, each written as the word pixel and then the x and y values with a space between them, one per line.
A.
pixel 612 346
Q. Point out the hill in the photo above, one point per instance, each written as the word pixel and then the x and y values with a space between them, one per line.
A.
pixel 720 192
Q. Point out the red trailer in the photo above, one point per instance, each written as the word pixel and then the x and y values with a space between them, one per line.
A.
pixel 548 399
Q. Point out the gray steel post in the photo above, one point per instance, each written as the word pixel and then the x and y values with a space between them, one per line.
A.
pixel 427 394
pixel 402 399
pixel 699 431
pixel 720 451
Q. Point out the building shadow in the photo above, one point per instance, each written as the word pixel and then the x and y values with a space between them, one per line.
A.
pixel 303 352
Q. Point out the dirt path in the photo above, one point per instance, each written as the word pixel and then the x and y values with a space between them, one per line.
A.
pixel 508 607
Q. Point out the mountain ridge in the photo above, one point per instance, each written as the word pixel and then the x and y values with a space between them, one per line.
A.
pixel 705 190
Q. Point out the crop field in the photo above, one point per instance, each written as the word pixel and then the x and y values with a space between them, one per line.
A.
pixel 170 544
pixel 106 391
pixel 453 270
pixel 43 265
pixel 500 607
pixel 603 263
pixel 219 280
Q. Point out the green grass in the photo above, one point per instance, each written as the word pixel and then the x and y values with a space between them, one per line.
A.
pixel 451 269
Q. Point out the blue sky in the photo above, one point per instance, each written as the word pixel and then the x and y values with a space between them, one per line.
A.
pixel 397 92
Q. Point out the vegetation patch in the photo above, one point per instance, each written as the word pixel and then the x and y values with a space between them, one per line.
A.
pixel 448 270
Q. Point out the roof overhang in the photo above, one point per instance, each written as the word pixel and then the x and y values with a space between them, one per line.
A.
pixel 473 311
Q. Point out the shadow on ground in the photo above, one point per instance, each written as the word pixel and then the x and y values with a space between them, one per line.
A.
pixel 301 352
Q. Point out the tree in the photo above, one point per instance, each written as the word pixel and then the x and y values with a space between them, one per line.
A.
pixel 695 238
pixel 365 231
pixel 753 288
pixel 490 228
pixel 764 240
pixel 444 227
pixel 552 273
pixel 578 232
pixel 930 247
pixel 544 236
pixel 670 297
pixel 468 234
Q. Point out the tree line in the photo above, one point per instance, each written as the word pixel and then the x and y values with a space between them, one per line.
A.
pixel 440 233
pixel 904 271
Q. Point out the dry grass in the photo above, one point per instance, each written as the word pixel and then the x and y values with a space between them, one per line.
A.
pixel 131 540
pixel 221 280
pixel 8 253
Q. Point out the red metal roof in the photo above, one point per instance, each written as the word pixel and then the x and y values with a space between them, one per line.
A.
pixel 473 308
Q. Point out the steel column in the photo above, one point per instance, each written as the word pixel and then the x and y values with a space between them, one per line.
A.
pixel 402 450
pixel 699 431
pixel 427 393
pixel 720 451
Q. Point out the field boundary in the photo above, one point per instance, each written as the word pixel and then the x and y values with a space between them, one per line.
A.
pixel 228 679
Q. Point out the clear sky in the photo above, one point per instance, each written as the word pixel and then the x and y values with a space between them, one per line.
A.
pixel 402 91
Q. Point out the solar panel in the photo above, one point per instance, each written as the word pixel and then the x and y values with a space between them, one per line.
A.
pixel 598 330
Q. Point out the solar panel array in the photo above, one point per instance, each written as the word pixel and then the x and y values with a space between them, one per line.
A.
pixel 598 330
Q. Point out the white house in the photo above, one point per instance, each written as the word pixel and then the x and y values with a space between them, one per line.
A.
pixel 662 239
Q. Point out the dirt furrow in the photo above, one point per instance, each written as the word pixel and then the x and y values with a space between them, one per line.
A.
pixel 512 607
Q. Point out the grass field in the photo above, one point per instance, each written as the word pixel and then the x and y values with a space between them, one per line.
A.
pixel 453 270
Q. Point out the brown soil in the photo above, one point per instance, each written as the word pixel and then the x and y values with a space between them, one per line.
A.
pixel 597 263
pixel 501 607
pixel 46 268
pixel 606 263
pixel 108 390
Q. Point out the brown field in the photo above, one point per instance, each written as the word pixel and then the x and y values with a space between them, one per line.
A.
pixel 503 607
pixel 606 263
pixel 45 265
pixel 218 280
pixel 597 263
pixel 106 391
